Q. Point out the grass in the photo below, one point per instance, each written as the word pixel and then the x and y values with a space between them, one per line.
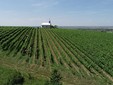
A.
pixel 38 76
pixel 9 76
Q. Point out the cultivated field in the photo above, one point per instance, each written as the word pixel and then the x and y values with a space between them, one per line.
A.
pixel 83 57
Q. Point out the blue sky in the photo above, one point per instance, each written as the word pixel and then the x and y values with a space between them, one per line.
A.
pixel 61 12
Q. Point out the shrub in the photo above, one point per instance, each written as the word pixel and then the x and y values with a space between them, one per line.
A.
pixel 54 79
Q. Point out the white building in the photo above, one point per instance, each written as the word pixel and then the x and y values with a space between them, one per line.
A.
pixel 46 25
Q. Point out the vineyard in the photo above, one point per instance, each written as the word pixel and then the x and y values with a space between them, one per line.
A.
pixel 77 54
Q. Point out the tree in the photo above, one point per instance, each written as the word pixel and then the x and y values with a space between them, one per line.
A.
pixel 55 26
pixel 55 78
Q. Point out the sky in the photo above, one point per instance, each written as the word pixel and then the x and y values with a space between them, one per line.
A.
pixel 60 12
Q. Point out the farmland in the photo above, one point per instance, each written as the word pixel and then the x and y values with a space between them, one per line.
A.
pixel 83 57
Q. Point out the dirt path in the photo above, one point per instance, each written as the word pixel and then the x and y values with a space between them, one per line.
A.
pixel 52 50
pixel 34 47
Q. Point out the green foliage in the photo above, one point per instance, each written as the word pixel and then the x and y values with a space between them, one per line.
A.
pixel 55 78
pixel 10 77
pixel 95 48
pixel 16 79
pixel 74 50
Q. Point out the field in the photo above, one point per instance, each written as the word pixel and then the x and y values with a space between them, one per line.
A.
pixel 83 57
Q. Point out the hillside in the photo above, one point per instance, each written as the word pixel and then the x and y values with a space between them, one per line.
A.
pixel 83 57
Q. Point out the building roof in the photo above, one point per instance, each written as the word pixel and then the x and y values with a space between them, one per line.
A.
pixel 45 24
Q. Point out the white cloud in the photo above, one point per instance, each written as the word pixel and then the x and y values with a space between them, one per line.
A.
pixel 38 4
pixel 45 4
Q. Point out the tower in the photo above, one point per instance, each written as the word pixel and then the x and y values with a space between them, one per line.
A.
pixel 50 21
